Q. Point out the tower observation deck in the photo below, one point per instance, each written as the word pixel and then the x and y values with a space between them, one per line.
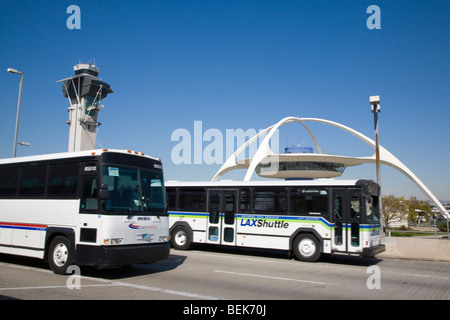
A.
pixel 293 165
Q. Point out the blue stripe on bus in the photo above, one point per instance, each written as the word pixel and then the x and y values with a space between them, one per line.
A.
pixel 250 216
pixel 23 226
pixel 275 217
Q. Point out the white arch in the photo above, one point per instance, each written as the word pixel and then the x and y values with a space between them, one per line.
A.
pixel 231 164
pixel 264 153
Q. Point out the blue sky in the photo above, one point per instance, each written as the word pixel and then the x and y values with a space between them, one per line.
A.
pixel 238 64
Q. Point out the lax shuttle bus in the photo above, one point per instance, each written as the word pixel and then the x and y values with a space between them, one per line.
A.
pixel 100 208
pixel 306 217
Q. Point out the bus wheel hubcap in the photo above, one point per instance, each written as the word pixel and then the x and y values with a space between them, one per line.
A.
pixel 60 254
pixel 307 247
pixel 180 238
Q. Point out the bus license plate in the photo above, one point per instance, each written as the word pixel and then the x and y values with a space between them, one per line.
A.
pixel 145 237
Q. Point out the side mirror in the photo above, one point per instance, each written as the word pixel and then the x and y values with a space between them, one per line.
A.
pixel 103 192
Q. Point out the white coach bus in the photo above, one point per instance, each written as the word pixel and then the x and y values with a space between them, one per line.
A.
pixel 307 217
pixel 99 208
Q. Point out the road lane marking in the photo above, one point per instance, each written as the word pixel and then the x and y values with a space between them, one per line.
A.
pixel 56 287
pixel 427 276
pixel 168 291
pixel 104 283
pixel 120 284
pixel 275 278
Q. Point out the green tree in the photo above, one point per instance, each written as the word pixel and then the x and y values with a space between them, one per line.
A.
pixel 393 209
pixel 414 204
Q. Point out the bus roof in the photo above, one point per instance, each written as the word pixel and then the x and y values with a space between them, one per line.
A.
pixel 272 183
pixel 69 155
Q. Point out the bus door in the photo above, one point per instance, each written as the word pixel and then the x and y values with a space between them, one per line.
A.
pixel 346 220
pixel 222 209
pixel 89 224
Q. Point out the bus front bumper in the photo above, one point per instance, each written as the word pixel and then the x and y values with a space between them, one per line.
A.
pixel 372 251
pixel 121 255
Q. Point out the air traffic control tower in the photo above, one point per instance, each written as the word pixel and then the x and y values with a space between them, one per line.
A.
pixel 85 92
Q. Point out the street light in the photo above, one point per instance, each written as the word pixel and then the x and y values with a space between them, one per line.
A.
pixel 11 70
pixel 375 107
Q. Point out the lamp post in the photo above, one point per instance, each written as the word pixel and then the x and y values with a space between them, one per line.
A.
pixel 448 230
pixel 11 70
pixel 375 107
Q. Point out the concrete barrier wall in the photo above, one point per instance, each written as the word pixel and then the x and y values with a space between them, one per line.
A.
pixel 416 248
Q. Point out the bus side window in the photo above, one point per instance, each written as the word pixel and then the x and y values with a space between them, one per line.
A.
pixel 192 200
pixel 337 218
pixel 9 178
pixel 32 181
pixel 372 209
pixel 270 200
pixel 245 200
pixel 171 199
pixel 89 194
pixel 214 207
pixel 355 207
pixel 63 179
pixel 309 201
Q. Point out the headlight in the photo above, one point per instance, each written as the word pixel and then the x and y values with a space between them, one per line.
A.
pixel 113 241
pixel 117 241
pixel 164 238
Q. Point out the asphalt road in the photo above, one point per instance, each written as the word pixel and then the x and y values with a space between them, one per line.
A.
pixel 225 274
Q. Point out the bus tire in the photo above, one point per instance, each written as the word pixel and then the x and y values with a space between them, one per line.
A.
pixel 60 255
pixel 181 239
pixel 306 248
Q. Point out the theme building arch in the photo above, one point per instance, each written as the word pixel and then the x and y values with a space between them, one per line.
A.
pixel 268 162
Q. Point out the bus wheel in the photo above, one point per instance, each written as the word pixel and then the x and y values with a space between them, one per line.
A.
pixel 306 248
pixel 59 255
pixel 181 239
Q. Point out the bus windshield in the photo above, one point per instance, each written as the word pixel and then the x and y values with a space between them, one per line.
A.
pixel 134 191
